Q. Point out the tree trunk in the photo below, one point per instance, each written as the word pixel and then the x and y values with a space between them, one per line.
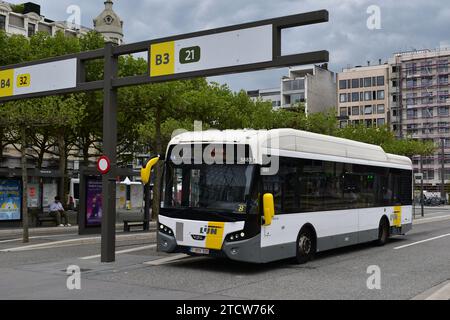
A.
pixel 24 185
pixel 158 168
pixel 62 165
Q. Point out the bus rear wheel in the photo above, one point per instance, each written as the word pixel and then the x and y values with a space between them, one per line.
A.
pixel 383 232
pixel 306 246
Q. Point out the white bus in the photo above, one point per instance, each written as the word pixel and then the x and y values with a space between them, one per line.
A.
pixel 327 193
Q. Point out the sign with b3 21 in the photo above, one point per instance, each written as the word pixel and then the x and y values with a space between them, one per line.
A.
pixel 42 77
pixel 213 51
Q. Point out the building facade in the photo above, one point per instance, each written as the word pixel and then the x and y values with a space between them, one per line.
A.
pixel 26 20
pixel 314 86
pixel 363 95
pixel 419 85
pixel 269 95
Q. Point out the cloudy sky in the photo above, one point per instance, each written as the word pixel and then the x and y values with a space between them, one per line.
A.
pixel 405 25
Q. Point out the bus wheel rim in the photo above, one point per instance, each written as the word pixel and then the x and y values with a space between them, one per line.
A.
pixel 305 244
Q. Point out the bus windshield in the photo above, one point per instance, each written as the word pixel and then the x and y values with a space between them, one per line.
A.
pixel 224 187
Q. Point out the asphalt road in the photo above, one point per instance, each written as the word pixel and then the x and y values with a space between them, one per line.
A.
pixel 411 266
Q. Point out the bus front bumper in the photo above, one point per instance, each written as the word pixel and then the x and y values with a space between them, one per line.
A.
pixel 248 250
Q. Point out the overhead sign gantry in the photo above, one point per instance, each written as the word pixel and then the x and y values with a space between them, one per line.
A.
pixel 234 49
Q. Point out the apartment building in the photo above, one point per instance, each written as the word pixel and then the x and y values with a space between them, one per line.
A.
pixel 314 86
pixel 419 97
pixel 272 95
pixel 363 95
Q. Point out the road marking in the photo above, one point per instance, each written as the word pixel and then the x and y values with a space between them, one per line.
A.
pixel 78 241
pixel 169 259
pixel 121 251
pixel 422 241
pixel 432 219
pixel 39 237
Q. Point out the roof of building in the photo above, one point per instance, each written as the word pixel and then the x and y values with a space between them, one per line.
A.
pixel 298 141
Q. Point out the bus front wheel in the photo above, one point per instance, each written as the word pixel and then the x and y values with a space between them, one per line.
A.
pixel 383 232
pixel 306 246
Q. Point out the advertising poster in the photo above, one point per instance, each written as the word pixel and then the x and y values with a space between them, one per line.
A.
pixel 10 200
pixel 94 202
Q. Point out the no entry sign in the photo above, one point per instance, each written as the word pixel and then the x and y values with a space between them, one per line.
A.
pixel 103 165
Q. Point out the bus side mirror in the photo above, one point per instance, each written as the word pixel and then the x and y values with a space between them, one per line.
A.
pixel 146 171
pixel 269 208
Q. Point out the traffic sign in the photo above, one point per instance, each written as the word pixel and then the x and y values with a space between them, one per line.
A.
pixel 213 51
pixel 103 164
pixel 50 76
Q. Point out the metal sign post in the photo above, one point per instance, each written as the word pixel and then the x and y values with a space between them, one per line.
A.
pixel 234 49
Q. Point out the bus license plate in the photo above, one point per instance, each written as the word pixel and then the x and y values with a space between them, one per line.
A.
pixel 200 250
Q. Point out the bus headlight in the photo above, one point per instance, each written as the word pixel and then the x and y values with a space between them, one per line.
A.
pixel 165 229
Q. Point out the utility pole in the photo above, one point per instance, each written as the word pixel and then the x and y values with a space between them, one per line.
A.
pixel 23 149
pixel 421 186
pixel 108 246
pixel 443 170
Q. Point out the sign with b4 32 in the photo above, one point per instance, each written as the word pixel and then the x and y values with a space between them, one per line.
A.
pixel 213 51
pixel 38 78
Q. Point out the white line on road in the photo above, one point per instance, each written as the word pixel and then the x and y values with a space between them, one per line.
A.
pixel 40 237
pixel 77 241
pixel 431 219
pixel 121 251
pixel 169 259
pixel 422 241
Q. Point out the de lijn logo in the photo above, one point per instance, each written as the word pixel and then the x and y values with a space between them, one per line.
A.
pixel 213 230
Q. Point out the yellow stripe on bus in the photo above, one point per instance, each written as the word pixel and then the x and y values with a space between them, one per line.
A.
pixel 214 236
pixel 397 216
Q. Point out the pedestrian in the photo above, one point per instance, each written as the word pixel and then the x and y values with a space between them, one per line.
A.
pixel 57 210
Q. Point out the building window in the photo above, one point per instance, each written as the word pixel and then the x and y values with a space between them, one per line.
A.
pixel 394 98
pixel 368 110
pixel 411 114
pixel 380 108
pixel 355 83
pixel 343 112
pixel 411 69
pixel 343 124
pixel 427 97
pixel 367 96
pixel 367 82
pixel 443 80
pixel 2 22
pixel 443 96
pixel 443 66
pixel 443 111
pixel 394 83
pixel 343 98
pixel 368 123
pixel 355 96
pixel 394 69
pixel 380 80
pixel 31 30
pixel 410 99
pixel 380 122
pixel 342 84
pixel 411 83
pixel 427 67
pixel 380 95
pixel 427 81
pixel 427 113
pixel 355 111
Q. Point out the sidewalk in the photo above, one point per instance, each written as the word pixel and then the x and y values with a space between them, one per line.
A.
pixel 39 231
